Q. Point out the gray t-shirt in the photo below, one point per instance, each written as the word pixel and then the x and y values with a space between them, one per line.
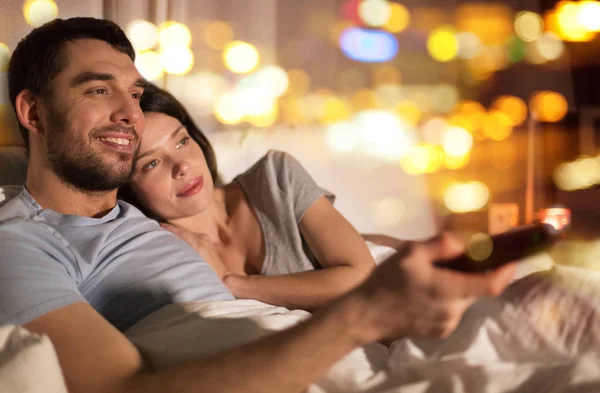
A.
pixel 280 190
pixel 123 264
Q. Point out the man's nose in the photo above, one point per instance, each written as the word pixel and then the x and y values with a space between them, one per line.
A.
pixel 128 111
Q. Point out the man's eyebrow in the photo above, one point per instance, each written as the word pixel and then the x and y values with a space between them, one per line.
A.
pixel 173 135
pixel 141 82
pixel 88 76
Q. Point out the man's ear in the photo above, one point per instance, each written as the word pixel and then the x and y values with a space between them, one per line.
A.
pixel 27 106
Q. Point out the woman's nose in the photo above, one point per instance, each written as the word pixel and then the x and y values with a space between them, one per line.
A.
pixel 181 169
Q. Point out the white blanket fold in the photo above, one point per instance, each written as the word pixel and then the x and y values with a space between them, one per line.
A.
pixel 540 334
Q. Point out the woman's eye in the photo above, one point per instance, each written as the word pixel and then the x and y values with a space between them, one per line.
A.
pixel 136 96
pixel 150 165
pixel 183 142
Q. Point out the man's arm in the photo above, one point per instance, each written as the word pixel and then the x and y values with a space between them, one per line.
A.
pixel 405 296
pixel 97 358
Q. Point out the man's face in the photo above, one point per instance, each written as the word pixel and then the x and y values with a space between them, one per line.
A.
pixel 92 119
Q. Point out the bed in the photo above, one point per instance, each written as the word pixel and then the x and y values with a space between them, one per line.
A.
pixel 542 334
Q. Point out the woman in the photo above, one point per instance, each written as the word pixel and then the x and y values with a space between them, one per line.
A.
pixel 271 234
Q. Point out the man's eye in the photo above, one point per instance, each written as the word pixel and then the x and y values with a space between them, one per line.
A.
pixel 183 142
pixel 150 165
pixel 99 91
pixel 136 96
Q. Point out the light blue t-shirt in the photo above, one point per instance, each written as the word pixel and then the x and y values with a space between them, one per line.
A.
pixel 123 264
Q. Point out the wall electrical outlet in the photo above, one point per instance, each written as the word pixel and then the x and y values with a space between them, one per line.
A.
pixel 502 217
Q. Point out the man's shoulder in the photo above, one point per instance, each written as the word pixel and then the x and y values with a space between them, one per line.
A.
pixel 11 205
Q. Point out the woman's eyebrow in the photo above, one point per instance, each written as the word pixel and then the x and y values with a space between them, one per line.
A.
pixel 173 135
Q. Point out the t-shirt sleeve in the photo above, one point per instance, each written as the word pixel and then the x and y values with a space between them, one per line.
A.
pixel 37 273
pixel 296 182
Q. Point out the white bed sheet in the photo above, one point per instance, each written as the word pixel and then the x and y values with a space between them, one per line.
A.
pixel 539 336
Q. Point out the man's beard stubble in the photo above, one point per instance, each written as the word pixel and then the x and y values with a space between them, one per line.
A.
pixel 79 165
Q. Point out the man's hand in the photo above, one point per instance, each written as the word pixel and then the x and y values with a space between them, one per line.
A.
pixel 408 296
pixel 202 244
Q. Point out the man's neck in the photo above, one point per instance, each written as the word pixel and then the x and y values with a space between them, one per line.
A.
pixel 51 192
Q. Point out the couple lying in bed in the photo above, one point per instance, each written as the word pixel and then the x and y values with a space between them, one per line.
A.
pixel 81 267
pixel 271 234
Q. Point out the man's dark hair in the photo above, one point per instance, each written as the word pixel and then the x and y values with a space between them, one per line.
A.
pixel 38 58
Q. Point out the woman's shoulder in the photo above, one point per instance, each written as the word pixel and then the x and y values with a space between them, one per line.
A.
pixel 274 162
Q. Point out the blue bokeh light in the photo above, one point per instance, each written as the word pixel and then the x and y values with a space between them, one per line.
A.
pixel 371 46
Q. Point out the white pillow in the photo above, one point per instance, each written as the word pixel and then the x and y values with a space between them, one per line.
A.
pixel 28 363
pixel 13 165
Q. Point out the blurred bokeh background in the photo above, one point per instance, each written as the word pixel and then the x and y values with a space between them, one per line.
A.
pixel 477 113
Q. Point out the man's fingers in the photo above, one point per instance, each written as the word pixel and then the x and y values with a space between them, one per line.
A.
pixel 445 246
pixel 474 284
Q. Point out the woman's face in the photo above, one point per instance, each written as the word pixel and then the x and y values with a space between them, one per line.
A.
pixel 171 179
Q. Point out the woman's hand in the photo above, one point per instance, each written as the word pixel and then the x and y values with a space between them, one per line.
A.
pixel 202 244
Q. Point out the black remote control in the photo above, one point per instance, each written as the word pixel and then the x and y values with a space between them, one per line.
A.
pixel 506 247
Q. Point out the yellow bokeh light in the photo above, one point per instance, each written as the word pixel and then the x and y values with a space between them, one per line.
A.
pixel 266 119
pixel 489 60
pixel 433 130
pixel 142 34
pixel 383 135
pixel 149 65
pixel 568 24
pixel 335 110
pixel 492 22
pixel 466 197
pixel 217 34
pixel 374 12
pixel 399 18
pixel 228 109
pixel 292 112
pixel 442 44
pixel 174 34
pixel 548 106
pixel 408 111
pixel 469 108
pixel 457 141
pixel 456 162
pixel 480 246
pixel 38 12
pixel 546 48
pixel 4 56
pixel 497 125
pixel 513 107
pixel 462 122
pixel 421 159
pixel 579 174
pixel 240 57
pixel 589 15
pixel 177 60
pixel 528 26
pixel 299 82
pixel 272 78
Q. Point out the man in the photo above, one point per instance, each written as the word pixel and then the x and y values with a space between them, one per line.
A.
pixel 80 267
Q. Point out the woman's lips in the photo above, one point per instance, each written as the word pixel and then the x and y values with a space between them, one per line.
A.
pixel 192 187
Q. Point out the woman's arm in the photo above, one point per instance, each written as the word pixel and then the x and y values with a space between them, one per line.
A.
pixel 338 247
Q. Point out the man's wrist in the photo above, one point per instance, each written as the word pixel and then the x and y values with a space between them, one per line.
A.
pixel 353 313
